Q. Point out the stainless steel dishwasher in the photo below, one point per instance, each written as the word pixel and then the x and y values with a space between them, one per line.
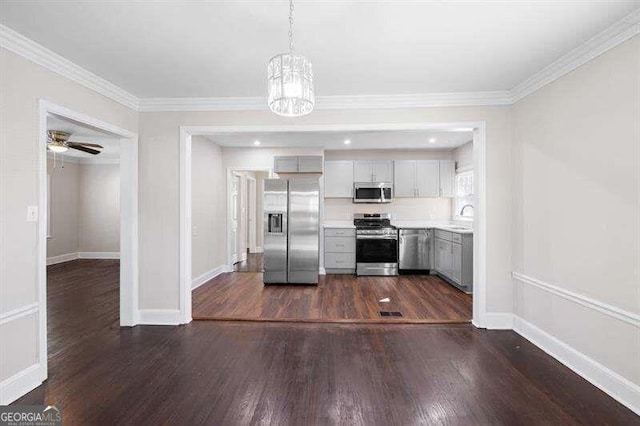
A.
pixel 414 249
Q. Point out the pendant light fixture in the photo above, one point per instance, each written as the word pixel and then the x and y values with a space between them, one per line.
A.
pixel 290 81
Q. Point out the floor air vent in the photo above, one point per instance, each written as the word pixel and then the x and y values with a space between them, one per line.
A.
pixel 390 314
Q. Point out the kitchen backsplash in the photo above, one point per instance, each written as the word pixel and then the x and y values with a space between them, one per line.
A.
pixel 400 208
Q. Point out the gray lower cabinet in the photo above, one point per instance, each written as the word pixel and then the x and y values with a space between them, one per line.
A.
pixel 340 250
pixel 453 258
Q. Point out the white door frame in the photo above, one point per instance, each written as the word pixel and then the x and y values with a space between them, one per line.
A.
pixel 128 219
pixel 252 193
pixel 233 248
pixel 230 172
pixel 480 183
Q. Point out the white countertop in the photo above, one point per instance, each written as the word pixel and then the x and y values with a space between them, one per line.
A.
pixel 404 224
pixel 431 224
pixel 338 224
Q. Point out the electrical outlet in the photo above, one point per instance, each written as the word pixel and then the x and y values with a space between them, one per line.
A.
pixel 32 213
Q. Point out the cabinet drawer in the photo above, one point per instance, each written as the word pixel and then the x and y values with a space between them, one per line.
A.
pixel 339 232
pixel 339 245
pixel 444 235
pixel 456 238
pixel 339 260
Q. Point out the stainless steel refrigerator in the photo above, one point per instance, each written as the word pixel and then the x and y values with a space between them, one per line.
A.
pixel 291 231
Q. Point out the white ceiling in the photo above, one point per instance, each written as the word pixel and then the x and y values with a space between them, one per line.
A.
pixel 220 48
pixel 359 140
pixel 82 133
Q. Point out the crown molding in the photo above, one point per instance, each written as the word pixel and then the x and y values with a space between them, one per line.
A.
pixel 611 37
pixel 330 102
pixel 29 49
pixel 616 34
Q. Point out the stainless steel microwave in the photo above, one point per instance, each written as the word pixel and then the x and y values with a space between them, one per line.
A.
pixel 372 192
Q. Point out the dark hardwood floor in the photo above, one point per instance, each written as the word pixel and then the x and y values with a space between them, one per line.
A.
pixel 238 373
pixel 252 264
pixel 336 298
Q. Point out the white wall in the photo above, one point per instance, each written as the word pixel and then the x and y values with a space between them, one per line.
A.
pixel 401 208
pixel 22 84
pixel 208 208
pixel 577 207
pixel 260 177
pixel 64 199
pixel 463 156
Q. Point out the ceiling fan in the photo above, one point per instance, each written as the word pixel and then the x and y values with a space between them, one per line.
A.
pixel 58 141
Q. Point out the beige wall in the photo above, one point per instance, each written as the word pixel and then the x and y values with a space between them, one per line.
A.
pixel 577 205
pixel 85 208
pixel 159 176
pixel 208 207
pixel 402 208
pixel 64 199
pixel 99 200
pixel 22 84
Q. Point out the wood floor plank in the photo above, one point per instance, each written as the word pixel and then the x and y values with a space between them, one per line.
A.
pixel 421 299
pixel 239 373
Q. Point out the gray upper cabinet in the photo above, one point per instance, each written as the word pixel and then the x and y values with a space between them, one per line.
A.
pixel 404 179
pixel 447 178
pixel 427 178
pixel 338 179
pixel 373 171
pixel 298 164
pixel 416 178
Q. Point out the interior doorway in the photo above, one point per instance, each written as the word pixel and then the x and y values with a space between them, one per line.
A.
pixel 87 229
pixel 246 227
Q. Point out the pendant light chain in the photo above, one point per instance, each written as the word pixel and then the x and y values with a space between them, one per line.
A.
pixel 290 26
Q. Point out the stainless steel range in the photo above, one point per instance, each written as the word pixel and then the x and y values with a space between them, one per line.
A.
pixel 376 244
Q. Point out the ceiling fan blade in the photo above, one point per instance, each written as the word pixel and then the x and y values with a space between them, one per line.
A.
pixel 83 148
pixel 95 145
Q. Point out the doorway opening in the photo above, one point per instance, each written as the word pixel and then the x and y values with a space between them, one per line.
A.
pixel 87 229
pixel 476 130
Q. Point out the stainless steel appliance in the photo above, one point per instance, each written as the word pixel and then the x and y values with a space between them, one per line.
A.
pixel 415 251
pixel 372 192
pixel 376 244
pixel 291 231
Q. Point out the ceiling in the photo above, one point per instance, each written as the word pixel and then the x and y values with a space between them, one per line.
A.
pixel 359 140
pixel 221 48
pixel 82 133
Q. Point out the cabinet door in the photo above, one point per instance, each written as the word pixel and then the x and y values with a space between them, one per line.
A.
pixel 382 171
pixel 338 179
pixel 456 263
pixel 404 175
pixel 285 164
pixel 310 164
pixel 447 178
pixel 439 256
pixel 427 179
pixel 362 171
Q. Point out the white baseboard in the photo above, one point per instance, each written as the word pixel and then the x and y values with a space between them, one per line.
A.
pixel 159 317
pixel 99 255
pixel 616 386
pixel 20 383
pixel 61 258
pixel 322 271
pixel 197 282
pixel 498 321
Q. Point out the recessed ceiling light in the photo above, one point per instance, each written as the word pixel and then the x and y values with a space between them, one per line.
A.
pixel 432 140
pixel 256 142
pixel 347 141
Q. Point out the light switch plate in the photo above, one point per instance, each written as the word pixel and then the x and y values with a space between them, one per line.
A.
pixel 32 213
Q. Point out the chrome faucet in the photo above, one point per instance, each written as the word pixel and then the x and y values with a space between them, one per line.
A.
pixel 464 207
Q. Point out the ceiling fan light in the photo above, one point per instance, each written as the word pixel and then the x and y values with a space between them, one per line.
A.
pixel 57 147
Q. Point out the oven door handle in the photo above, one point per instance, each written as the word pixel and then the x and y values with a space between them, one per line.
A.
pixel 376 237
